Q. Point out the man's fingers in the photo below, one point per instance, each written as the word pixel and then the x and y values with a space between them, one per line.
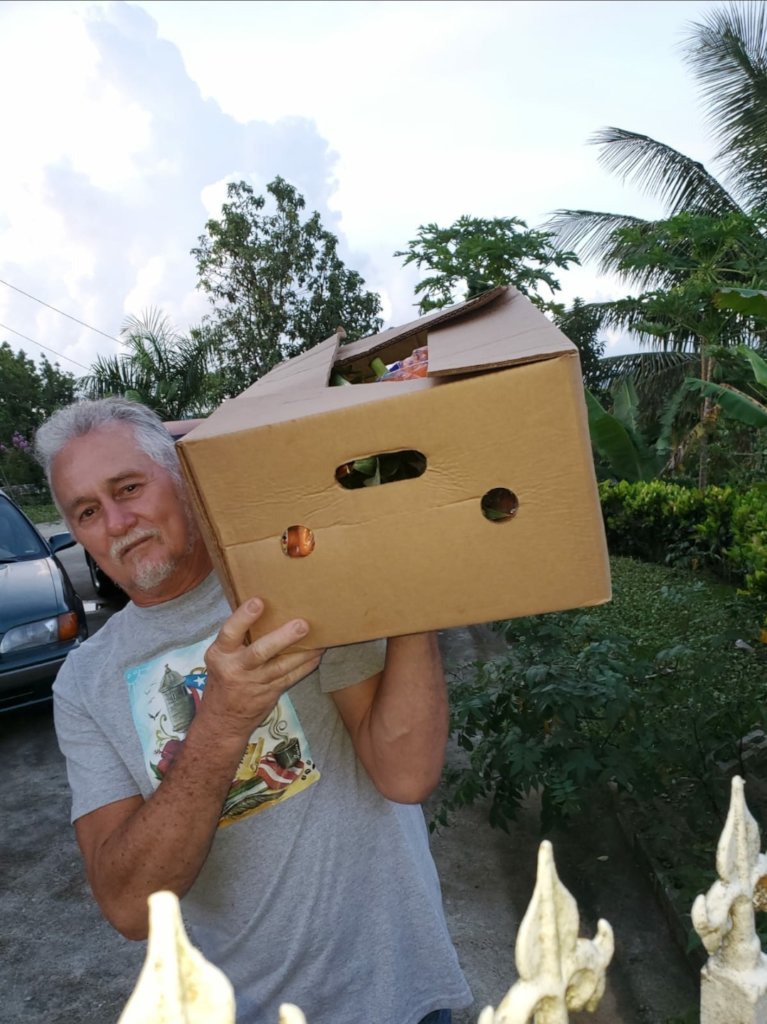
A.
pixel 232 634
pixel 268 646
pixel 289 666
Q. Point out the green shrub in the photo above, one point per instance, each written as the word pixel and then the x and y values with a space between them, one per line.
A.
pixel 716 529
pixel 748 550
pixel 643 692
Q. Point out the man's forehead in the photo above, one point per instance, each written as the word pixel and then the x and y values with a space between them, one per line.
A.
pixel 117 438
pixel 102 456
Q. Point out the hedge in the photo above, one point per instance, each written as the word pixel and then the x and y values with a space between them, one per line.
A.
pixel 717 529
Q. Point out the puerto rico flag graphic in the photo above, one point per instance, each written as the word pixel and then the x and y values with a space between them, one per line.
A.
pixel 164 694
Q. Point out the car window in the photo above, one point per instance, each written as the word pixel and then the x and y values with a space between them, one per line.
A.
pixel 18 540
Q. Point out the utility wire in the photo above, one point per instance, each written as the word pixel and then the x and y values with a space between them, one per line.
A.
pixel 59 354
pixel 55 310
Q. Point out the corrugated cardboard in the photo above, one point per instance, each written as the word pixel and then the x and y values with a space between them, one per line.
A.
pixel 502 407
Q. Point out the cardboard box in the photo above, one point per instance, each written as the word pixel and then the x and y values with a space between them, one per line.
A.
pixel 502 410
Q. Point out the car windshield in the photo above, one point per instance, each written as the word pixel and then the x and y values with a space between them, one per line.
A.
pixel 18 540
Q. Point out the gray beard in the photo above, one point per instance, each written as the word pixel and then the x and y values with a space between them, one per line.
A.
pixel 148 577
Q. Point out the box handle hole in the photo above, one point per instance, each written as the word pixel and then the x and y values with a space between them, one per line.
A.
pixel 297 541
pixel 499 504
pixel 385 468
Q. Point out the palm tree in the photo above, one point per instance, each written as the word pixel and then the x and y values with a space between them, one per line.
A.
pixel 727 52
pixel 728 55
pixel 169 372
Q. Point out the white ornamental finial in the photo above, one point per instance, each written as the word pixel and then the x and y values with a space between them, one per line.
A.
pixel 177 985
pixel 558 971
pixel 724 916
pixel 290 1014
pixel 734 979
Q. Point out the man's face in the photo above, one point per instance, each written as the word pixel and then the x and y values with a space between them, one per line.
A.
pixel 129 514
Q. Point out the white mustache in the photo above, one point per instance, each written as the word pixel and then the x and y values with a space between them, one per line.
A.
pixel 120 545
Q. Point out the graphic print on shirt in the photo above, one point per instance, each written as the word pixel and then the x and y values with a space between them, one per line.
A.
pixel 164 694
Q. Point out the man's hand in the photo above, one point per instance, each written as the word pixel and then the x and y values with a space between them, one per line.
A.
pixel 134 847
pixel 245 680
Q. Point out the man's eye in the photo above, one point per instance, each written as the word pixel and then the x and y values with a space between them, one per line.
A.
pixel 86 514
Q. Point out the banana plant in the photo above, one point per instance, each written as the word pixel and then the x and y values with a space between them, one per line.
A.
pixel 618 439
pixel 736 403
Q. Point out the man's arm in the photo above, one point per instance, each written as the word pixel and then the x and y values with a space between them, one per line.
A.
pixel 133 847
pixel 399 719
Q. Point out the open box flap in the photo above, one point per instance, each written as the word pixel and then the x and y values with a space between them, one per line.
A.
pixel 309 369
pixel 509 331
pixel 375 343
pixel 498 328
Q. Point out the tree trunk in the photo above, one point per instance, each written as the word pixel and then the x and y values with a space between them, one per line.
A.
pixel 705 415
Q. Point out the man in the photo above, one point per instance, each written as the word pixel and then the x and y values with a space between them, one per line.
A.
pixel 288 822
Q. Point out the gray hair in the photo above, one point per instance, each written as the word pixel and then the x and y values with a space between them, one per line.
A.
pixel 81 418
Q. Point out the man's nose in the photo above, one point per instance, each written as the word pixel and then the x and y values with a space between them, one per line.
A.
pixel 119 518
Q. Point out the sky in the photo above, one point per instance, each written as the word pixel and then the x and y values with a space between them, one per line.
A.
pixel 121 124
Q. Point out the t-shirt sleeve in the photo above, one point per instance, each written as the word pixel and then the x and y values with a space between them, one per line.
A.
pixel 351 664
pixel 97 775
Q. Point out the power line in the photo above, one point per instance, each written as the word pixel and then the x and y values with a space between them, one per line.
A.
pixel 59 354
pixel 55 310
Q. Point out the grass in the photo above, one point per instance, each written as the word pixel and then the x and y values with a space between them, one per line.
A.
pixel 658 608
pixel 42 513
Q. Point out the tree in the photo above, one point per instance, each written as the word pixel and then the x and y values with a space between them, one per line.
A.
pixel 28 395
pixel 581 323
pixel 618 438
pixel 744 401
pixel 735 402
pixel 728 55
pixel 727 52
pixel 475 254
pixel 276 283
pixel 167 371
pixel 689 258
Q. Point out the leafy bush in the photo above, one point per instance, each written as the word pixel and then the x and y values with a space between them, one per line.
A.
pixel 649 693
pixel 716 529
pixel 749 540
pixel 17 463
pixel 657 696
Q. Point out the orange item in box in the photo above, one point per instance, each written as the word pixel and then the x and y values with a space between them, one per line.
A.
pixel 415 365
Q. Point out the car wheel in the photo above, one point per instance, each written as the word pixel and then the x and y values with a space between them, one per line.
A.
pixel 103 585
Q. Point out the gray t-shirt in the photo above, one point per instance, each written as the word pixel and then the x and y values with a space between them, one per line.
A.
pixel 317 890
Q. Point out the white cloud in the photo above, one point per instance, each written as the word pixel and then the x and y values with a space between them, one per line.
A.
pixel 124 122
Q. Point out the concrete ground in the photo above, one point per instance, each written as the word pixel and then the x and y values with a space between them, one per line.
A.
pixel 61 964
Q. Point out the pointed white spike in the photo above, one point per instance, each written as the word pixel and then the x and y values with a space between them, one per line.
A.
pixel 176 985
pixel 558 971
pixel 734 979
pixel 290 1014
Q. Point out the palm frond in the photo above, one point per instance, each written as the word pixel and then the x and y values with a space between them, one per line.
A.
pixel 678 181
pixel 631 314
pixel 152 323
pixel 588 232
pixel 646 366
pixel 727 52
